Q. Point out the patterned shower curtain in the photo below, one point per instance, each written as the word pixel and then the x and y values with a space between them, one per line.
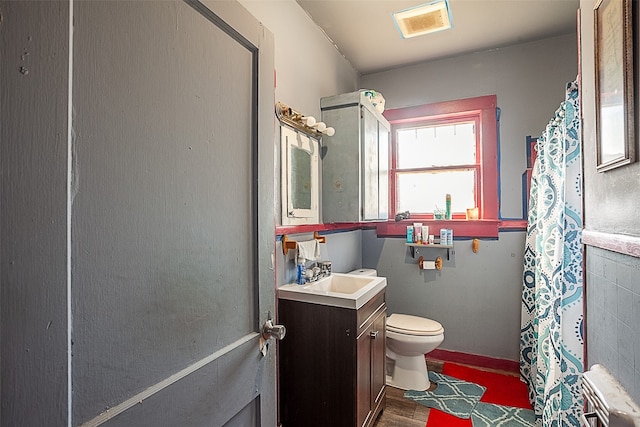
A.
pixel 551 340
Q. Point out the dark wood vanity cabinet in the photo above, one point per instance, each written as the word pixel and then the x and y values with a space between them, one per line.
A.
pixel 332 364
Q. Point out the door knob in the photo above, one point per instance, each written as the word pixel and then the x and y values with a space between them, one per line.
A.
pixel 270 330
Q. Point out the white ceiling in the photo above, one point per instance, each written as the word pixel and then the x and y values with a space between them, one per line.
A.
pixel 365 33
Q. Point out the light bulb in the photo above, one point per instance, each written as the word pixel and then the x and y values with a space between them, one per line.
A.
pixel 330 131
pixel 309 121
pixel 321 126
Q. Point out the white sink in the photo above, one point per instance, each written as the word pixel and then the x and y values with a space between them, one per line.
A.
pixel 338 290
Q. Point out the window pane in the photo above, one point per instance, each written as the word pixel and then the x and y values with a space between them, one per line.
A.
pixel 425 191
pixel 442 145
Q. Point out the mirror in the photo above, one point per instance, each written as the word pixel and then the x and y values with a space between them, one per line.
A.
pixel 300 166
pixel 300 178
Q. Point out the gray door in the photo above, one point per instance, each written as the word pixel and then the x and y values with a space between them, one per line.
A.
pixel 171 215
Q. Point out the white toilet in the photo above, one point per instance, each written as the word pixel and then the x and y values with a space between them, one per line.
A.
pixel 409 338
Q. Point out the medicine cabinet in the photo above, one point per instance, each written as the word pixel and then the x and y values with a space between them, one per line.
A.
pixel 300 177
pixel 355 168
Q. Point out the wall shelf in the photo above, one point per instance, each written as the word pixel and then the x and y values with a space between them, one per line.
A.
pixel 436 245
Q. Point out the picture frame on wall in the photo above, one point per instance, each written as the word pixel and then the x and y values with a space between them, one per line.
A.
pixel 615 135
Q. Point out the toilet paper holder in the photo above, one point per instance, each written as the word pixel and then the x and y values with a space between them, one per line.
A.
pixel 437 262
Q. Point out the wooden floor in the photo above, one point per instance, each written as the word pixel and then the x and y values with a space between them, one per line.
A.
pixel 401 412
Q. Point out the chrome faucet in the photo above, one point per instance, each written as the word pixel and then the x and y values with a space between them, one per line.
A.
pixel 314 272
pixel 325 268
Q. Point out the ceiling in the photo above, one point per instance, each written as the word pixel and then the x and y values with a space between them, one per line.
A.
pixel 364 32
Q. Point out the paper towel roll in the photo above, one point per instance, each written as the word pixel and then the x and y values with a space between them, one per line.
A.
pixel 428 265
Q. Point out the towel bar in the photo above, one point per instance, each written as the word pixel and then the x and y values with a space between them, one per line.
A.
pixel 292 244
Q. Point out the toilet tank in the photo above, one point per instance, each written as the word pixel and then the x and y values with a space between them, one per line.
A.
pixel 364 272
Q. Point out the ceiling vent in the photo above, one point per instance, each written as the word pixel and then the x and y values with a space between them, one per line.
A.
pixel 423 19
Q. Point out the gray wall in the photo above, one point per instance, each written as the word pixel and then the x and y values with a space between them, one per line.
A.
pixel 613 315
pixel 612 202
pixel 308 66
pixel 529 81
pixel 477 296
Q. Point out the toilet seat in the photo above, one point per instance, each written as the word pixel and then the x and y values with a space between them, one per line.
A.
pixel 413 325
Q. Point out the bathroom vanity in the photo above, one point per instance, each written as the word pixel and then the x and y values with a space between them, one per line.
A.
pixel 332 362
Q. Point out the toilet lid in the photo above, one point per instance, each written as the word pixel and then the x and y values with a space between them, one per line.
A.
pixel 413 325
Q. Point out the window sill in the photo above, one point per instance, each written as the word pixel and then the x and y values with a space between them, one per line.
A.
pixel 487 228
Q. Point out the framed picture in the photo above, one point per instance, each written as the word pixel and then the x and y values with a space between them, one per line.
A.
pixel 615 139
pixel 532 152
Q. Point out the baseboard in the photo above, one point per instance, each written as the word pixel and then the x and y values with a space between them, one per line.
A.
pixel 474 360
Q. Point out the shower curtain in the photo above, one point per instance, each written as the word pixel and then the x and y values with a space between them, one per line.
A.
pixel 551 340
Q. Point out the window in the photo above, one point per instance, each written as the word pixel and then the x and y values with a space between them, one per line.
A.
pixel 444 148
pixel 434 159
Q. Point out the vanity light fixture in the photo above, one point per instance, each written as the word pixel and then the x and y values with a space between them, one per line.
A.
pixel 307 124
pixel 423 19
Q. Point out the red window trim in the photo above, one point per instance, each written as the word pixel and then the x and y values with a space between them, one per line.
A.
pixel 486 106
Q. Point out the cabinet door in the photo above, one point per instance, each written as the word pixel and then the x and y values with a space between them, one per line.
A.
pixel 363 378
pixel 369 165
pixel 371 374
pixel 341 177
pixel 378 359
pixel 383 170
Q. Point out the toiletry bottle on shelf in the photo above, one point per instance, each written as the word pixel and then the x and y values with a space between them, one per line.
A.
pixel 443 236
pixel 417 232
pixel 448 207
pixel 409 233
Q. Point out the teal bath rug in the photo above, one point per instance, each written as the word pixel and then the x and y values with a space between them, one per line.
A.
pixel 453 396
pixel 490 415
